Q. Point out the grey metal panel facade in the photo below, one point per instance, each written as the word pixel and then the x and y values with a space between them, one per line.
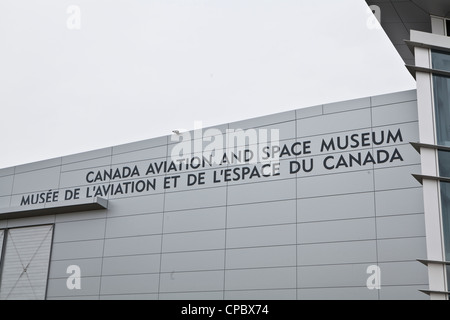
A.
pixel 296 235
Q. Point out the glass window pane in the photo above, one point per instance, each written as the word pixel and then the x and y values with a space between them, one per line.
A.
pixel 444 163
pixel 445 207
pixel 26 261
pixel 1 248
pixel 448 275
pixel 440 60
pixel 442 109
pixel 448 27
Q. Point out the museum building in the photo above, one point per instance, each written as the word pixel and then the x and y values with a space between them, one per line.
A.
pixel 346 200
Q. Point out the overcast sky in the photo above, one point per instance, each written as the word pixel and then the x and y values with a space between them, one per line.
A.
pixel 128 70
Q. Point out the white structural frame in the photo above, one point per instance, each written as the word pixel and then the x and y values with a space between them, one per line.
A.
pixel 423 43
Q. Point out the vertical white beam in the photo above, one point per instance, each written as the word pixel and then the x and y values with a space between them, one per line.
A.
pixel 429 166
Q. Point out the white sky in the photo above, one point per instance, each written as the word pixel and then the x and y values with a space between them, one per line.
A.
pixel 138 69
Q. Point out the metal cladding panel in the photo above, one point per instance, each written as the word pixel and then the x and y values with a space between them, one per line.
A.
pixel 25 265
pixel 311 224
